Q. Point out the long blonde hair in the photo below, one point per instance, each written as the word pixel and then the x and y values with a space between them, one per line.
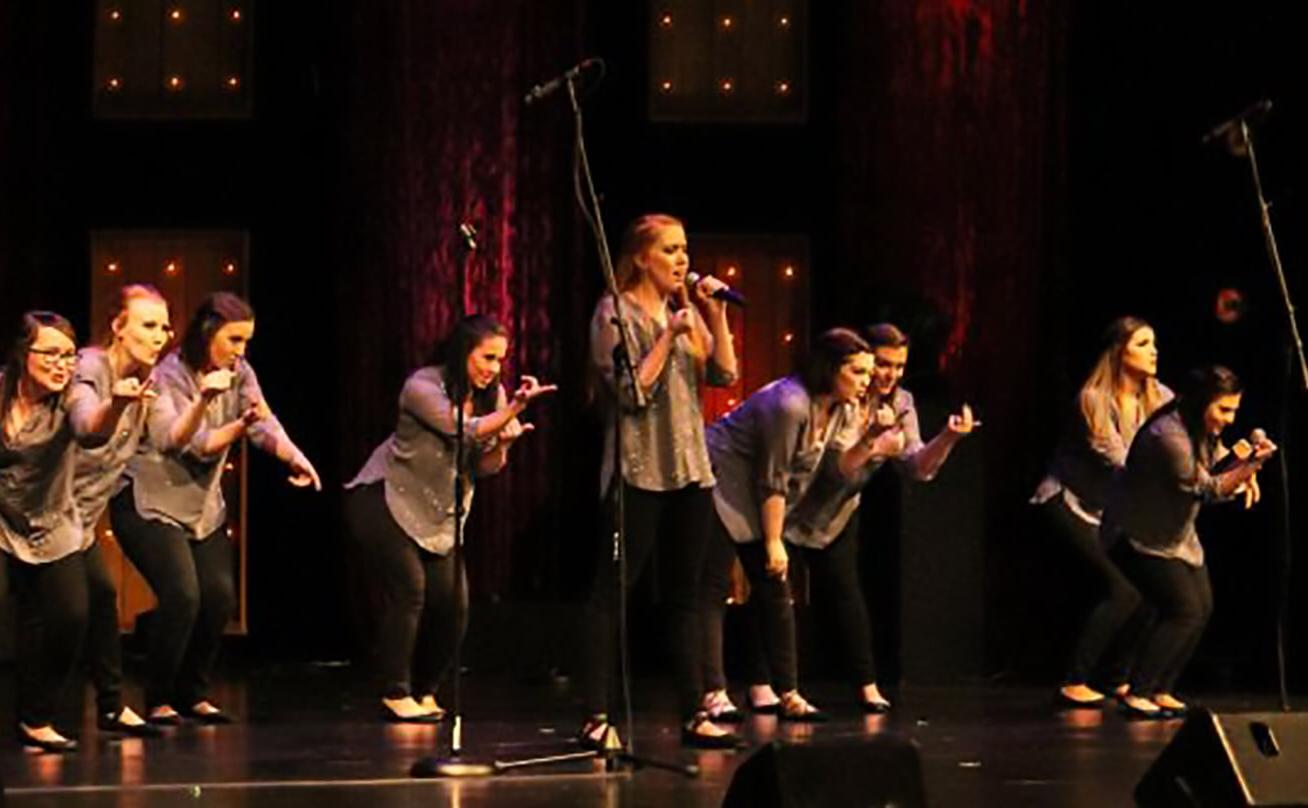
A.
pixel 1099 392
pixel 638 237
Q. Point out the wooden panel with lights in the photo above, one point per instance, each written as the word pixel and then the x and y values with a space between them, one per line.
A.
pixel 185 266
pixel 173 59
pixel 770 332
pixel 729 61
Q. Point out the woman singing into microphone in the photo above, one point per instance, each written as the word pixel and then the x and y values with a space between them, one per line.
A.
pixel 171 518
pixel 400 507
pixel 1121 392
pixel 40 535
pixel 665 474
pixel 1172 470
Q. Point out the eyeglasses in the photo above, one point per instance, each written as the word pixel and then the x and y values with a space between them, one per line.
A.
pixel 54 356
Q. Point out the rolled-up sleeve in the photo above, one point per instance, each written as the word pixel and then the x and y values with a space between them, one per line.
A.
pixel 267 432
pixel 604 341
pixel 780 429
pixel 81 402
pixel 426 398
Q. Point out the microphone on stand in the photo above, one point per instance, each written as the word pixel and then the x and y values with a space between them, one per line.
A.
pixel 726 294
pixel 469 234
pixel 1228 131
pixel 552 86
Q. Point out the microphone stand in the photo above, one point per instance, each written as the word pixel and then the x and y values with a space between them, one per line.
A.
pixel 454 765
pixel 1294 350
pixel 612 750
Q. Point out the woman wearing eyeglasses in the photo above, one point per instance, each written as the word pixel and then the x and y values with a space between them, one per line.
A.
pixel 40 534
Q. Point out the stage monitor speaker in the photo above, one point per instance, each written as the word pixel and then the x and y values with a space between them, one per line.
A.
pixel 879 771
pixel 1231 759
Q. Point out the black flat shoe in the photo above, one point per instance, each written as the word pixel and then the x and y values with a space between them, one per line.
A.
pixel 112 722
pixel 765 709
pixel 1062 702
pixel 799 710
pixel 1136 714
pixel 171 720
pixel 697 740
pixel 57 746
pixel 598 735
pixel 388 715
pixel 876 707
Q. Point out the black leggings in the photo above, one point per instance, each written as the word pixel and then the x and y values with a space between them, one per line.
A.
pixel 1112 630
pixel 1183 598
pixel 673 523
pixel 52 608
pixel 104 648
pixel 834 579
pixel 424 614
pixel 770 615
pixel 193 582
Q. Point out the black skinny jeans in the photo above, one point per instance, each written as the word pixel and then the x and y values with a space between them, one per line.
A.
pixel 194 584
pixel 672 523
pixel 834 580
pixel 1183 598
pixel 104 648
pixel 1112 632
pixel 52 607
pixel 424 614
pixel 770 614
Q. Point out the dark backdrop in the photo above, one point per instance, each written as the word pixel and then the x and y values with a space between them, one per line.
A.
pixel 1001 176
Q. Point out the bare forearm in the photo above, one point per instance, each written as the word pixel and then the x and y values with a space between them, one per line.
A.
pixel 772 517
pixel 724 349
pixel 927 462
pixel 221 437
pixel 651 367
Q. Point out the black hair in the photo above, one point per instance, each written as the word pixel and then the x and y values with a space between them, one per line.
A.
pixel 452 356
pixel 216 311
pixel 830 350
pixel 16 360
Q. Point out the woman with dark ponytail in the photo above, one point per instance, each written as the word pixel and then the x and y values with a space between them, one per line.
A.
pixel 1177 464
pixel 171 518
pixel 400 507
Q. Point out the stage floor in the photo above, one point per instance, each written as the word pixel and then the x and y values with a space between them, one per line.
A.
pixel 311 737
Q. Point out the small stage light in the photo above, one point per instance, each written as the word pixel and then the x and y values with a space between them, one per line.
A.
pixel 666 20
pixel 726 86
pixel 665 86
pixel 171 268
pixel 175 83
pixel 175 15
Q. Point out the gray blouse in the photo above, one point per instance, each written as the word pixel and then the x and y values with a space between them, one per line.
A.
pixel 1155 500
pixel 98 473
pixel 663 440
pixel 833 498
pixel 416 463
pixel 182 485
pixel 38 513
pixel 767 445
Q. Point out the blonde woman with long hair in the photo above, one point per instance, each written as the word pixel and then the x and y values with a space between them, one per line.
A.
pixel 1120 393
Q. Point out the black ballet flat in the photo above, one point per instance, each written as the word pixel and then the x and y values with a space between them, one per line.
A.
pixel 388 715
pixel 112 722
pixel 876 707
pixel 1062 702
pixel 698 740
pixel 608 739
pixel 58 747
pixel 765 709
pixel 173 720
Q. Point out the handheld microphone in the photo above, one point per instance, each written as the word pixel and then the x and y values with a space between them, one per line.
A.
pixel 469 234
pixel 552 86
pixel 1250 115
pixel 726 294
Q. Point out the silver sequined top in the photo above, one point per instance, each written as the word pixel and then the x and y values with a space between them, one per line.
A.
pixel 416 463
pixel 662 441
